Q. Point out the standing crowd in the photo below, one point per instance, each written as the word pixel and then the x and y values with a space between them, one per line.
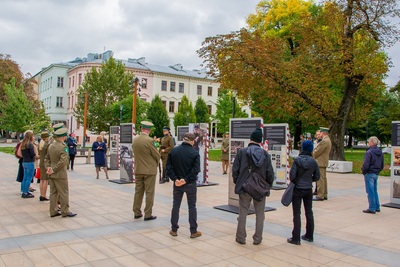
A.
pixel 181 164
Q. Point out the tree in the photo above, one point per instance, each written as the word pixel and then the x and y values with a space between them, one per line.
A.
pixel 158 115
pixel 104 86
pixel 127 103
pixel 324 63
pixel 9 69
pixel 18 113
pixel 185 114
pixel 224 111
pixel 201 111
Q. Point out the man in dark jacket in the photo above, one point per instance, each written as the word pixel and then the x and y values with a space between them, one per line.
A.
pixel 183 165
pixel 373 164
pixel 261 161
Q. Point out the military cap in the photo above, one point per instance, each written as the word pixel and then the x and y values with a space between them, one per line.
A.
pixel 61 132
pixel 58 126
pixel 166 128
pixel 147 124
pixel 226 132
pixel 324 129
pixel 44 134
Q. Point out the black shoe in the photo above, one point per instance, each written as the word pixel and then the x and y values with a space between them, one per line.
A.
pixel 162 182
pixel 150 218
pixel 27 195
pixel 43 198
pixel 369 211
pixel 325 198
pixel 70 214
pixel 240 242
pixel 55 215
pixel 138 216
pixel 378 210
pixel 307 239
pixel 31 189
pixel 294 242
pixel 318 199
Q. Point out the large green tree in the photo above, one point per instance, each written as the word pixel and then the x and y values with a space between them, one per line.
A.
pixel 185 114
pixel 201 111
pixel 126 112
pixel 104 86
pixel 324 62
pixel 18 113
pixel 158 115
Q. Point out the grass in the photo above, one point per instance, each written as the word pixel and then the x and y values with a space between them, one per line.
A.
pixel 356 156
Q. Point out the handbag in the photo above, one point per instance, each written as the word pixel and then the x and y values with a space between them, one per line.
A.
pixel 288 195
pixel 255 185
pixel 37 175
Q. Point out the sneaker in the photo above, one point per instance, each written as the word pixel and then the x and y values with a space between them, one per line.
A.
pixel 194 235
pixel 31 189
pixel 173 233
pixel 27 195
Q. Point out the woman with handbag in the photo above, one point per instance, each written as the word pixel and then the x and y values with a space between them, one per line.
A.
pixel 303 173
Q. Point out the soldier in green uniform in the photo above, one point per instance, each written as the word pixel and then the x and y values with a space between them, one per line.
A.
pixel 56 162
pixel 167 144
pixel 146 161
pixel 225 153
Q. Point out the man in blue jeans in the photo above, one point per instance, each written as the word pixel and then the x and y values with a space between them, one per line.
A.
pixel 183 165
pixel 373 164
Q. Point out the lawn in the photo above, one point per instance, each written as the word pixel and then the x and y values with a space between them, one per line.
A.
pixel 356 156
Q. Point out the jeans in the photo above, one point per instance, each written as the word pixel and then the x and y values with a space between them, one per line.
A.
pixel 191 196
pixel 305 195
pixel 29 169
pixel 371 186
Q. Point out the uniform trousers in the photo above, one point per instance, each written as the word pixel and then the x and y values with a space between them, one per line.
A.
pixel 322 184
pixel 144 184
pixel 59 193
pixel 244 205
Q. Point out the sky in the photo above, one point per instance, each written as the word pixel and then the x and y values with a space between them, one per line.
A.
pixel 37 33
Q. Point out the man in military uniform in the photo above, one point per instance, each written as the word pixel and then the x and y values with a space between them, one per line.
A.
pixel 167 143
pixel 146 158
pixel 321 155
pixel 56 162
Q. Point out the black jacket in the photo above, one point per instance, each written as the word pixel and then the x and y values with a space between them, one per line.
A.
pixel 304 171
pixel 183 162
pixel 261 164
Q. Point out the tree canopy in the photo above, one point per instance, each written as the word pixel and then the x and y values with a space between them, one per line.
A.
pixel 185 114
pixel 201 111
pixel 158 115
pixel 317 63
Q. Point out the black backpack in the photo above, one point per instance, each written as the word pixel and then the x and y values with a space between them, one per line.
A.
pixel 255 185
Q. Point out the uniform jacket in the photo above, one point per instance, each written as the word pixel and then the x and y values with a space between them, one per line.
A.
pixel 304 171
pixel 100 149
pixel 373 161
pixel 183 162
pixel 225 145
pixel 261 164
pixel 145 154
pixel 321 152
pixel 57 158
pixel 167 143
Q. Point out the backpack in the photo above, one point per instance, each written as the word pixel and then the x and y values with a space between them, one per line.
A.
pixel 17 151
pixel 255 185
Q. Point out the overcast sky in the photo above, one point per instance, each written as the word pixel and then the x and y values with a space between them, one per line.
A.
pixel 37 33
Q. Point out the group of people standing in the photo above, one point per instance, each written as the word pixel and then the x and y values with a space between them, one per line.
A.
pixel 53 157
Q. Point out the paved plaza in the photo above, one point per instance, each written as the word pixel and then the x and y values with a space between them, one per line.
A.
pixel 104 232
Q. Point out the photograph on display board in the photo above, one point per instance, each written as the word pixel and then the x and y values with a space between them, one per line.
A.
pixel 396 188
pixel 200 132
pixel 396 157
pixel 126 162
pixel 396 172
pixel 235 146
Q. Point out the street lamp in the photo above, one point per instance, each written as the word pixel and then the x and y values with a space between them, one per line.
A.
pixel 84 117
pixel 233 103
pixel 120 113
pixel 135 88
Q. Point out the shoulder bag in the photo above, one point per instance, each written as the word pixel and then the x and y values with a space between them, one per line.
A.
pixel 255 185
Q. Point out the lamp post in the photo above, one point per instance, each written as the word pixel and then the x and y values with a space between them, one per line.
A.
pixel 84 117
pixel 233 103
pixel 120 113
pixel 135 88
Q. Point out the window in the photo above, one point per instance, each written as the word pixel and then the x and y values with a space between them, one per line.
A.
pixel 72 102
pixel 165 103
pixel 209 91
pixel 199 88
pixel 80 79
pixel 163 85
pixel 69 82
pixel 144 83
pixel 172 86
pixel 59 102
pixel 69 99
pixel 209 109
pixel 181 87
pixel 73 81
pixel 171 106
pixel 60 82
